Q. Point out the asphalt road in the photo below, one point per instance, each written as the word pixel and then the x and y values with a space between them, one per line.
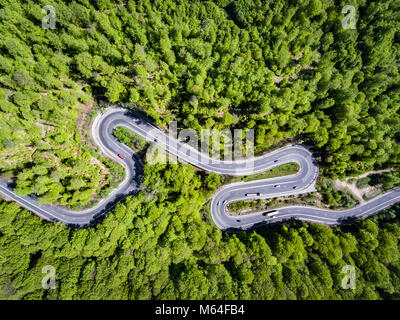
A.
pixel 303 181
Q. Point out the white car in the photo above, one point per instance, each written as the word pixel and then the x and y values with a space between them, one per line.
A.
pixel 276 186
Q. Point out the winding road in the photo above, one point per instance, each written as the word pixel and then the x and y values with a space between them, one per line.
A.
pixel 303 180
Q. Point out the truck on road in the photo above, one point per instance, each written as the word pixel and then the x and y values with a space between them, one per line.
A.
pixel 270 213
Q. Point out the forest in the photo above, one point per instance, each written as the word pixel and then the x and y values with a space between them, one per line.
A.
pixel 161 244
pixel 287 69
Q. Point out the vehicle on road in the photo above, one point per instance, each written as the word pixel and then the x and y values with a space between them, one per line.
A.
pixel 276 186
pixel 270 213
pixel 275 161
pixel 237 220
pixel 225 222
pixel 121 156
pixel 219 202
pixel 252 194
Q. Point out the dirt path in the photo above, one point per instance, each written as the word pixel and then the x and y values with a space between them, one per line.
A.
pixel 359 193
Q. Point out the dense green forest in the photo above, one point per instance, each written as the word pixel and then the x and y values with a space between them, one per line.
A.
pixel 161 244
pixel 287 69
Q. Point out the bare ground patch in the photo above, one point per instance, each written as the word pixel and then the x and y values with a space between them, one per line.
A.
pixel 363 193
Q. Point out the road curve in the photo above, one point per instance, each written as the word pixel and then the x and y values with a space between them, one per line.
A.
pixel 303 181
